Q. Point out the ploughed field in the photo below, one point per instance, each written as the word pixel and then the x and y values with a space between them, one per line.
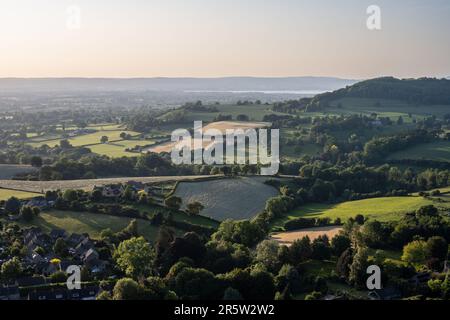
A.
pixel 287 238
pixel 235 198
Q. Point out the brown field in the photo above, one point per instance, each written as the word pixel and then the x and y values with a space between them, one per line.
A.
pixel 87 184
pixel 288 237
pixel 224 125
pixel 220 125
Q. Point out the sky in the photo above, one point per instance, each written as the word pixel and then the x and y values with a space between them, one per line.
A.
pixel 215 38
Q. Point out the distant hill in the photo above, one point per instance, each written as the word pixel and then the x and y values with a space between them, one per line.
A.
pixel 423 91
pixel 173 84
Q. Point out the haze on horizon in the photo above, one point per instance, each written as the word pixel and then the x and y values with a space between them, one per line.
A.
pixel 201 38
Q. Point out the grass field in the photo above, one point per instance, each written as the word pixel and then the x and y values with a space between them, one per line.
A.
pixel 382 209
pixel 235 198
pixel 295 152
pixel 179 216
pixel 438 151
pixel 254 112
pixel 386 108
pixel 91 223
pixel 5 194
pixel 117 149
pixel 86 184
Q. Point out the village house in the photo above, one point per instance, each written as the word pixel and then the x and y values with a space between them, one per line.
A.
pixel 88 293
pixel 112 191
pixel 39 202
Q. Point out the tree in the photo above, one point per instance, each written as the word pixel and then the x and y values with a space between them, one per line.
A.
pixel 194 208
pixel 27 213
pixel 196 284
pixel 135 257
pixel 132 228
pixel 415 252
pixel 123 135
pixel 11 269
pixel 320 250
pixel 242 117
pixel 358 267
pixel 344 262
pixel 70 195
pixel 339 244
pixel 58 277
pixel 173 202
pixel 300 250
pixel 267 253
pixel 288 276
pixel 12 205
pixel 36 161
pixel 104 139
pixel 60 247
pixel 65 144
pixel 36 211
pixel 232 294
pixel 104 295
pixel 373 234
pixel 127 289
pixel 437 247
pixel 262 285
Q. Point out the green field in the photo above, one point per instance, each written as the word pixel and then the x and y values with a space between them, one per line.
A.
pixel 254 112
pixel 438 151
pixel 5 194
pixel 295 152
pixel 234 198
pixel 382 209
pixel 114 148
pixel 179 216
pixel 385 108
pixel 91 223
pixel 117 149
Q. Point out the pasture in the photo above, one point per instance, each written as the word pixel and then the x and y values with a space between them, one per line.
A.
pixel 86 184
pixel 255 112
pixel 91 223
pixel 438 151
pixel 117 149
pixel 386 108
pixel 5 194
pixel 382 209
pixel 235 198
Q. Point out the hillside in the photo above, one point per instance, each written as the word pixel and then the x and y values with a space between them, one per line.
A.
pixel 423 91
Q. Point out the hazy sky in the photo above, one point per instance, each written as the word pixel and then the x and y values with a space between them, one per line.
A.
pixel 202 38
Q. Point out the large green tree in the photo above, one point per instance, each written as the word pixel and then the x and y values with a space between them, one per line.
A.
pixel 135 257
